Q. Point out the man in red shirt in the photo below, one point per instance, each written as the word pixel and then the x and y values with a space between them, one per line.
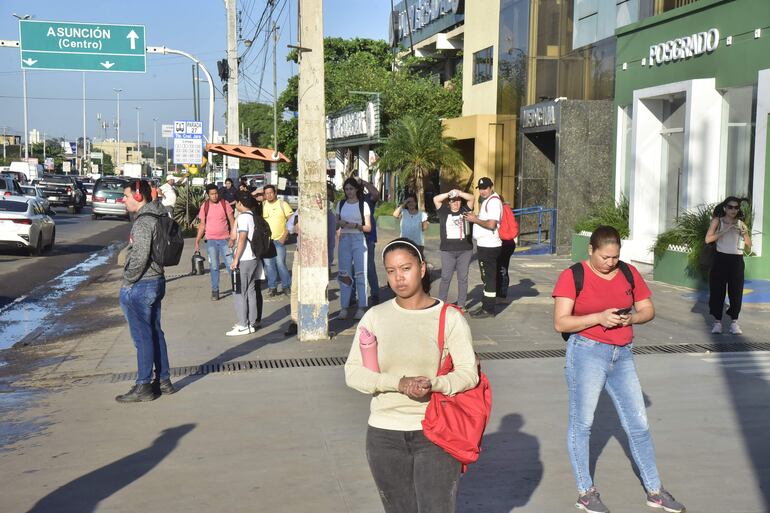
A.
pixel 216 218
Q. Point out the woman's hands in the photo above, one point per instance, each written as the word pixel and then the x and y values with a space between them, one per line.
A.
pixel 414 387
pixel 609 319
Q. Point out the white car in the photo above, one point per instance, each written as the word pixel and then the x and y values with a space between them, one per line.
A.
pixel 24 224
pixel 33 192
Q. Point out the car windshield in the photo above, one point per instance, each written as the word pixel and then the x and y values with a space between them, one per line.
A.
pixel 13 206
pixel 58 179
pixel 111 186
pixel 29 191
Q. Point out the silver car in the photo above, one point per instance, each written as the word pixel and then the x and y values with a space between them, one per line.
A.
pixel 32 192
pixel 107 199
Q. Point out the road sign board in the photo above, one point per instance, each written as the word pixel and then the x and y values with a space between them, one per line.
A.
pixel 167 131
pixel 188 142
pixel 73 46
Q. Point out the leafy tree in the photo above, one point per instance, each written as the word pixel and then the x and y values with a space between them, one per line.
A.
pixel 416 146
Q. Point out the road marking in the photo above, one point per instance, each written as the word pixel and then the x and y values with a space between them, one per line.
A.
pixel 755 364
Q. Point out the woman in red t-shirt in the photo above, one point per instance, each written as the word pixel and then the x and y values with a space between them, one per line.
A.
pixel 600 319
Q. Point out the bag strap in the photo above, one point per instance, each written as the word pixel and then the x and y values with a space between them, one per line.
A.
pixel 578 275
pixel 629 277
pixel 442 329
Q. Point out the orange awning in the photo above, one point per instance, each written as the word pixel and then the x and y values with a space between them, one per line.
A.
pixel 246 152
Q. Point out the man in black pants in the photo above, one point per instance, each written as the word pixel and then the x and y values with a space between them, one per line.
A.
pixel 488 244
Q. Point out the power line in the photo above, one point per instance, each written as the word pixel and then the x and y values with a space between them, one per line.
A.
pixel 80 99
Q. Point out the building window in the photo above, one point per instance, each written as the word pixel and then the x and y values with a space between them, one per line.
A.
pixel 737 140
pixel 482 65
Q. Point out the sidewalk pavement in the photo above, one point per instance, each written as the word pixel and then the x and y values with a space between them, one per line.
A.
pixel 292 440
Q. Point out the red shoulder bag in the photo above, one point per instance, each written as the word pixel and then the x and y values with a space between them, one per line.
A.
pixel 457 423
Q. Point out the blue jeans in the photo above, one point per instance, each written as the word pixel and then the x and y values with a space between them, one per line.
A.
pixel 590 367
pixel 352 254
pixel 217 251
pixel 141 307
pixel 277 266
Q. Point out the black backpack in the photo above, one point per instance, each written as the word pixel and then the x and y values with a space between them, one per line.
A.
pixel 262 244
pixel 578 275
pixel 168 243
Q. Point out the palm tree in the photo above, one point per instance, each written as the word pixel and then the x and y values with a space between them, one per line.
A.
pixel 416 146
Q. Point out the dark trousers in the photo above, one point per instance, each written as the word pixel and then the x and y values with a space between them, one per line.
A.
pixel 726 275
pixel 503 261
pixel 412 474
pixel 489 271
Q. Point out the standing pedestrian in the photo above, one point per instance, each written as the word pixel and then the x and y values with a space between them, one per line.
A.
pixel 731 236
pixel 276 213
pixel 600 317
pixel 168 195
pixel 144 285
pixel 229 193
pixel 216 218
pixel 456 243
pixel 412 473
pixel 413 221
pixel 354 222
pixel 488 244
pixel 248 301
pixel 371 197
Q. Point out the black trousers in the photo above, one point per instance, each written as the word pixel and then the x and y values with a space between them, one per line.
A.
pixel 412 474
pixel 727 274
pixel 488 265
pixel 503 261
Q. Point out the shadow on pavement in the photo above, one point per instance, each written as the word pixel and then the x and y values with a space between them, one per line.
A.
pixel 84 494
pixel 507 473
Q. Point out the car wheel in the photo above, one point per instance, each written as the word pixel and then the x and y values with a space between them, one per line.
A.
pixel 53 240
pixel 38 247
pixel 94 217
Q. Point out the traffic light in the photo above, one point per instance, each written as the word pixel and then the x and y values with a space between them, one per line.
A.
pixel 223 69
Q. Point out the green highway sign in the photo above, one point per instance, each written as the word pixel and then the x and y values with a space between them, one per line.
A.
pixel 72 46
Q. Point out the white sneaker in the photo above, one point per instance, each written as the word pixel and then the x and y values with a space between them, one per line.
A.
pixel 735 329
pixel 359 313
pixel 343 314
pixel 716 329
pixel 239 330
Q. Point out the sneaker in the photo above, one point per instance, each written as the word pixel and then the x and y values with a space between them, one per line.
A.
pixel 716 329
pixel 163 387
pixel 735 329
pixel 215 295
pixel 663 499
pixel 343 314
pixel 272 292
pixel 591 502
pixel 480 313
pixel 286 291
pixel 138 394
pixel 359 313
pixel 291 330
pixel 239 330
pixel 256 326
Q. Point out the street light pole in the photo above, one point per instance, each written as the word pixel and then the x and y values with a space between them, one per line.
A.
pixel 84 161
pixel 24 86
pixel 138 142
pixel 117 127
pixel 154 143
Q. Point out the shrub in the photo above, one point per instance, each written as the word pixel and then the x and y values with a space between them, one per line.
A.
pixel 184 212
pixel 608 213
pixel 385 208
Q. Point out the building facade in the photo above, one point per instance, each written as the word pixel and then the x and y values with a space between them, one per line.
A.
pixel 692 101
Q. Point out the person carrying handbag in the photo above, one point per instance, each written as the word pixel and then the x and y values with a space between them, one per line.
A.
pixel 412 473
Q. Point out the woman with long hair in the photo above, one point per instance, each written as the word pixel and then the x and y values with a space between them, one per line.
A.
pixel 731 236
pixel 412 473
pixel 353 221
pixel 248 301
pixel 600 318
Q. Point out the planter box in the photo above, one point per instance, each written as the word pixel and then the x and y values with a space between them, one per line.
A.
pixel 579 247
pixel 672 268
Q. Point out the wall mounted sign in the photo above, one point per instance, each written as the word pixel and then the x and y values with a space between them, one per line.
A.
pixel 538 116
pixel 424 12
pixel 685 47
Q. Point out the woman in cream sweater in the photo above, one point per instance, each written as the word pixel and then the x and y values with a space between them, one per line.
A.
pixel 411 473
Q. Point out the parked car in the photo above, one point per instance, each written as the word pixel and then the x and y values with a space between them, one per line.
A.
pixel 290 195
pixel 107 199
pixel 63 190
pixel 32 192
pixel 10 187
pixel 24 224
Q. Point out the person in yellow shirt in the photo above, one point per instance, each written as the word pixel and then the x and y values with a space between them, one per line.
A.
pixel 276 212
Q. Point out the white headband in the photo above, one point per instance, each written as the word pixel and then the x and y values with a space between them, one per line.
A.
pixel 401 241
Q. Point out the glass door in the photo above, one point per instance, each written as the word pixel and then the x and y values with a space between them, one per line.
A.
pixel 672 184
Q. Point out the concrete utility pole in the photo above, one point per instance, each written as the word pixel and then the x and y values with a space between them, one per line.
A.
pixel 117 128
pixel 233 136
pixel 154 143
pixel 313 315
pixel 138 142
pixel 24 87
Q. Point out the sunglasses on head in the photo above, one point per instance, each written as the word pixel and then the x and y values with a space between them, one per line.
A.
pixel 732 207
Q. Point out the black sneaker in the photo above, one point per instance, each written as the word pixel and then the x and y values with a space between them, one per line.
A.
pixel 291 330
pixel 272 292
pixel 480 313
pixel 257 325
pixel 591 502
pixel 663 499
pixel 138 394
pixel 163 387
pixel 286 291
pixel 215 295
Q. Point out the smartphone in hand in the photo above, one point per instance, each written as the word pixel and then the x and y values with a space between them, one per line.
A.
pixel 624 311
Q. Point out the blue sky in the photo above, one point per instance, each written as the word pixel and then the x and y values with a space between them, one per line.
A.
pixel 165 92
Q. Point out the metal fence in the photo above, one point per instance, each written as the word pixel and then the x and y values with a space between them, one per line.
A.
pixel 537 228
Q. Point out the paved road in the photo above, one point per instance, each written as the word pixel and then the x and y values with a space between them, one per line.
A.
pixel 77 237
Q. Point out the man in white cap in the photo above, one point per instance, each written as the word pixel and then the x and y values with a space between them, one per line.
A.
pixel 488 243
pixel 168 195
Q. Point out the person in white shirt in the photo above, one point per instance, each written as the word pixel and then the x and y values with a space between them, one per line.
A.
pixel 488 243
pixel 168 195
pixel 353 221
pixel 248 302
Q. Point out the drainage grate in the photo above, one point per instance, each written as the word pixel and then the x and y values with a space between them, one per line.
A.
pixel 337 361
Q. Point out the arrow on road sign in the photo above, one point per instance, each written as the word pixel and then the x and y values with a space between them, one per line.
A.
pixel 107 64
pixel 29 62
pixel 133 37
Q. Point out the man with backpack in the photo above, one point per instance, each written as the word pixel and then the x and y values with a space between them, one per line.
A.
pixel 488 244
pixel 216 218
pixel 144 285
